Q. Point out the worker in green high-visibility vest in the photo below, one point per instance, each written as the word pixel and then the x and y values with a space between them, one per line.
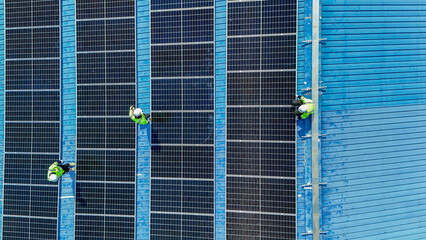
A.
pixel 304 107
pixel 138 116
pixel 57 169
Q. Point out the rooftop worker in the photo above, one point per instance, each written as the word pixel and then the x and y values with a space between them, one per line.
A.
pixel 305 107
pixel 57 169
pixel 138 116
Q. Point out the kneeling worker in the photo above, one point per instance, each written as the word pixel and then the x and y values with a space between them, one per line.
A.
pixel 57 169
pixel 305 107
pixel 138 116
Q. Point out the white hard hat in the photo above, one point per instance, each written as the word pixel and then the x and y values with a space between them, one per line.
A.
pixel 137 112
pixel 53 177
pixel 303 109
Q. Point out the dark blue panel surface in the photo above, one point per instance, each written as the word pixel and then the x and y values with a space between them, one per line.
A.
pixel 165 226
pixel 19 106
pixel 91 133
pixel 279 52
pixel 278 87
pixel 120 34
pixel 18 13
pixel 44 201
pixel 120 228
pixel 15 228
pixel 243 88
pixel 18 43
pixel 198 60
pixel 278 159
pixel 278 195
pixel 197 227
pixel 167 128
pixel 243 53
pixel 90 35
pixel 46 105
pixel 13 170
pixel 242 225
pixel 46 42
pixel 243 123
pixel 91 100
pixel 91 68
pixel 46 74
pixel 46 137
pixel 198 25
pixel 91 165
pixel 243 193
pixel 122 8
pixel 120 97
pixel 197 3
pixel 16 200
pixel 166 61
pixel 121 161
pixel 45 13
pixel 243 158
pixel 244 18
pixel 198 94
pixel 87 225
pixel 89 198
pixel 17 137
pixel 198 128
pixel 197 196
pixel 120 199
pixel 277 124
pixel 166 195
pixel 18 75
pixel 166 94
pixel 120 67
pixel 166 27
pixel 43 228
pixel 198 162
pixel 279 16
pixel 120 133
pixel 166 161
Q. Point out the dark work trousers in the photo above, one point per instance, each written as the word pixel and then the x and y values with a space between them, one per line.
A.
pixel 64 167
pixel 146 116
pixel 296 104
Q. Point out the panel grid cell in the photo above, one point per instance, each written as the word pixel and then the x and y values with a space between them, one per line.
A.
pixel 182 90
pixel 32 118
pixel 261 82
pixel 106 137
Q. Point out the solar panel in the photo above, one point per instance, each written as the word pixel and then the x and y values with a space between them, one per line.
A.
pixel 106 137
pixel 182 138
pixel 261 81
pixel 32 127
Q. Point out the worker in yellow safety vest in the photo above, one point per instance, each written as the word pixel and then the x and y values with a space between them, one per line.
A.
pixel 304 107
pixel 138 116
pixel 57 169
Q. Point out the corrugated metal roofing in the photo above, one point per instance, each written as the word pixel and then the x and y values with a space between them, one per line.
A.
pixel 373 112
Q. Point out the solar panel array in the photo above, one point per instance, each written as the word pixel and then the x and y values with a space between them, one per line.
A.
pixel 32 118
pixel 261 81
pixel 106 137
pixel 182 88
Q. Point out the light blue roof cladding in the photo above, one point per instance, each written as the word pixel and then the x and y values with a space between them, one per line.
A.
pixel 373 112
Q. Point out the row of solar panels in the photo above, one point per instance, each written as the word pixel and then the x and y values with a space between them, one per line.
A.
pixel 260 128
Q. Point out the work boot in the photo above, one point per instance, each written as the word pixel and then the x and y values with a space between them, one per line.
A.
pixel 72 169
pixel 72 164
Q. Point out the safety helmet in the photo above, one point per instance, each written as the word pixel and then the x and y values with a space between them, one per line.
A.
pixel 53 177
pixel 303 109
pixel 137 112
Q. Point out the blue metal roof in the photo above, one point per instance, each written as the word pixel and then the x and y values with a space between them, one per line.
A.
pixel 373 154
